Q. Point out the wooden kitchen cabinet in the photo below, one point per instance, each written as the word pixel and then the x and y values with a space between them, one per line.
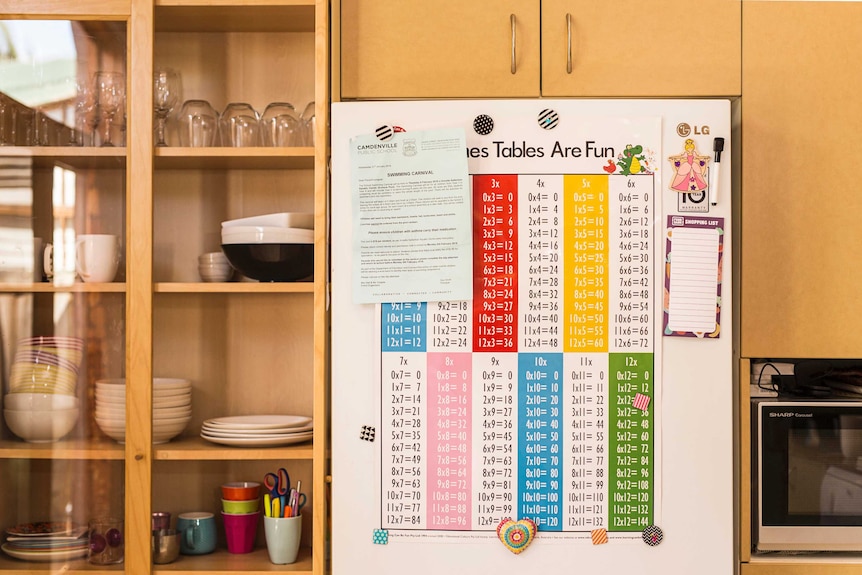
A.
pixel 447 48
pixel 560 48
pixel 628 48
pixel 248 347
pixel 800 232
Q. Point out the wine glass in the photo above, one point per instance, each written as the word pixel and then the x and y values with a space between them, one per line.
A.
pixel 110 93
pixel 166 94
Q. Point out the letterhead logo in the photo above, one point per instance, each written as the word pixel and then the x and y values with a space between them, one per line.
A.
pixel 683 129
pixel 409 148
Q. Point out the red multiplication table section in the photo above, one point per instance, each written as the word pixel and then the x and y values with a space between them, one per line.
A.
pixel 495 262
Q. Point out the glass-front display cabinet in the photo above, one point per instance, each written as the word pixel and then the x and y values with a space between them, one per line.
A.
pixel 63 324
pixel 145 380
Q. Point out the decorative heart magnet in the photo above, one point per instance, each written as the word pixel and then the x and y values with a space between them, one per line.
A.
pixel 516 535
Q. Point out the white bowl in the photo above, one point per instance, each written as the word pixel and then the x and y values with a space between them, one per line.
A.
pixel 172 401
pixel 41 426
pixel 282 220
pixel 265 235
pixel 171 412
pixel 39 401
pixel 213 258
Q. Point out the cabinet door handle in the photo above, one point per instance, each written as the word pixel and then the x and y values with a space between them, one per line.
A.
pixel 512 21
pixel 569 41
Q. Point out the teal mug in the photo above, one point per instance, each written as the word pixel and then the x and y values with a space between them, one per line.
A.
pixel 197 531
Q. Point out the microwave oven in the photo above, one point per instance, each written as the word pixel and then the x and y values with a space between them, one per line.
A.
pixel 807 492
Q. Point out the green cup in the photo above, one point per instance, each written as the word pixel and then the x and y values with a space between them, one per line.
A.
pixel 242 506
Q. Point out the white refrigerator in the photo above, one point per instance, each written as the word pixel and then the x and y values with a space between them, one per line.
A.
pixel 571 409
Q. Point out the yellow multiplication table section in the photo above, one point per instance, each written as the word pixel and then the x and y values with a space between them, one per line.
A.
pixel 585 263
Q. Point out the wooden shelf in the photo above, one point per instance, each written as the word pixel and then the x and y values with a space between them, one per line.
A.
pixel 68 156
pixel 234 16
pixel 68 449
pixel 235 287
pixel 76 287
pixel 78 10
pixel 197 449
pixel 220 562
pixel 298 158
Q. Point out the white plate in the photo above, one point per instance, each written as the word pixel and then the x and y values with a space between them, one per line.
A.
pixel 222 431
pixel 44 556
pixel 258 421
pixel 252 442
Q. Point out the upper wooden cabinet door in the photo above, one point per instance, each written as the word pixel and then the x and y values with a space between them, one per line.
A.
pixel 801 236
pixel 444 48
pixel 636 48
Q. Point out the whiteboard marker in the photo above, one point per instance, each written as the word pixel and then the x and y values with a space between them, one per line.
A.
pixel 717 147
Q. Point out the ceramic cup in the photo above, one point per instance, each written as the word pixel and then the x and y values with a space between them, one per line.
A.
pixel 97 257
pixel 106 541
pixel 165 546
pixel 282 538
pixel 197 531
pixel 240 530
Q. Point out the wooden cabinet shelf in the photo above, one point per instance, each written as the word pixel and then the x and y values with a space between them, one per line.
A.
pixel 72 157
pixel 234 158
pixel 198 449
pixel 235 287
pixel 77 287
pixel 235 15
pixel 68 449
pixel 219 562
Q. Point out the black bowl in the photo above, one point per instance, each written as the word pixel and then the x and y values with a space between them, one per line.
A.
pixel 272 262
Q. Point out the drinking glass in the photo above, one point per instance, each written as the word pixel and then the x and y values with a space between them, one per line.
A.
pixel 279 125
pixel 166 94
pixel 198 124
pixel 85 109
pixel 239 125
pixel 110 93
pixel 308 124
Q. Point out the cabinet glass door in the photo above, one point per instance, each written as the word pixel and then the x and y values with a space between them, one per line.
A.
pixel 62 292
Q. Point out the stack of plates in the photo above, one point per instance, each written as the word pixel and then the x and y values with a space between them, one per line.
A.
pixel 258 430
pixel 172 407
pixel 46 541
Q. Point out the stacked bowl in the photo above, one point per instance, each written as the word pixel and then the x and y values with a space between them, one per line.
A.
pixel 272 247
pixel 42 405
pixel 172 407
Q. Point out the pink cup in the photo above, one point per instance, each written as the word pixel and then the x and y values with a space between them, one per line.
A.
pixel 240 531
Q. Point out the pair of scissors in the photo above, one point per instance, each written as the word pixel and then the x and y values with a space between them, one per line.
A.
pixel 296 501
pixel 278 485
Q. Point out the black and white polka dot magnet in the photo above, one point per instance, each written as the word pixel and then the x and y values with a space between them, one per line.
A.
pixel 483 124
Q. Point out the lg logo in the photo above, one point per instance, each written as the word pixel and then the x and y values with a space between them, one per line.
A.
pixel 684 130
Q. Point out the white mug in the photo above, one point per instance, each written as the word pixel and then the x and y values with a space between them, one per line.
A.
pixel 97 257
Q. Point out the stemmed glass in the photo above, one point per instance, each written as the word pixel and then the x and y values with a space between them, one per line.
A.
pixel 110 93
pixel 166 94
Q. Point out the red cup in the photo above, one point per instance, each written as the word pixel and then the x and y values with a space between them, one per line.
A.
pixel 240 531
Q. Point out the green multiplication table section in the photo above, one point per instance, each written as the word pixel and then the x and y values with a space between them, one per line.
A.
pixel 631 447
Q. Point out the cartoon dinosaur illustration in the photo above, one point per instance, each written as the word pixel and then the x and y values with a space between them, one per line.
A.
pixel 630 160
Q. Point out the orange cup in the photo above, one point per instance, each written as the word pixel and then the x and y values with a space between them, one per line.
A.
pixel 240 490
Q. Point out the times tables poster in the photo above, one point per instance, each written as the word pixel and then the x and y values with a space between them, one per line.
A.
pixel 538 398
